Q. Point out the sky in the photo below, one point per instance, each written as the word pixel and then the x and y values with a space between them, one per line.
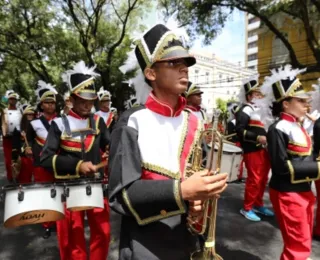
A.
pixel 230 43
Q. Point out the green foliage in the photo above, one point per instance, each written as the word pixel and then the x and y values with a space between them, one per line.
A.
pixel 39 39
pixel 207 17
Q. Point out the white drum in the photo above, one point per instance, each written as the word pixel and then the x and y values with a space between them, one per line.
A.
pixel 32 204
pixel 231 159
pixel 84 195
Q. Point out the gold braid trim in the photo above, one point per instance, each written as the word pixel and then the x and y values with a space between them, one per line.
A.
pixel 148 220
pixel 160 170
pixel 184 134
pixel 177 195
pixel 67 176
pixel 298 144
pixel 299 153
pixel 307 179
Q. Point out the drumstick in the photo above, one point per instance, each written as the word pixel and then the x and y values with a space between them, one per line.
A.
pixel 24 137
pixel 101 165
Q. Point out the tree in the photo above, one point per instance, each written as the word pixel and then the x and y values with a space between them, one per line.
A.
pixel 102 27
pixel 307 11
pixel 33 45
pixel 39 39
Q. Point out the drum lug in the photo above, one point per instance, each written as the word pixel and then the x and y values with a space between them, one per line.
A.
pixel 21 195
pixel 2 195
pixel 53 193
pixel 66 192
pixel 88 190
pixel 105 190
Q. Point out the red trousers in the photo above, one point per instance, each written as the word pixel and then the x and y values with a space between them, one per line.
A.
pixel 294 212
pixel 25 175
pixel 42 175
pixel 70 232
pixel 258 167
pixel 317 227
pixel 7 150
pixel 240 175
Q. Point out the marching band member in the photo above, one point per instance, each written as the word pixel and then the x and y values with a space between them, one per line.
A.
pixel 67 103
pixel 19 143
pixel 72 150
pixel 146 174
pixel 290 148
pixel 194 99
pixel 316 153
pixel 37 132
pixel 252 137
pixel 10 119
pixel 231 126
pixel 38 129
pixel 105 113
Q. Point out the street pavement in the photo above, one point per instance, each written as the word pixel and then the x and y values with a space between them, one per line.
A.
pixel 236 238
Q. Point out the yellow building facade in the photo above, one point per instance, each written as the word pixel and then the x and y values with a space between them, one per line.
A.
pixel 272 53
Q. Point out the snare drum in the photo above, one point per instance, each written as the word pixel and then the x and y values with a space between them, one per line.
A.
pixel 230 162
pixel 84 194
pixel 32 204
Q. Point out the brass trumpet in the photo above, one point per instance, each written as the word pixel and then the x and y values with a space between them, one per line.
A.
pixel 206 223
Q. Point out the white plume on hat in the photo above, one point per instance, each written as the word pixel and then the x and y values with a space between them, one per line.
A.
pixel 25 106
pixel 242 92
pixel 141 87
pixel 78 68
pixel 10 92
pixel 43 85
pixel 265 104
pixel 66 95
pixel 102 92
pixel 281 73
pixel 130 102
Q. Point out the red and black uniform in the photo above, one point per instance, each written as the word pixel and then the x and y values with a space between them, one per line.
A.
pixel 37 133
pixel 249 127
pixel 108 118
pixel 65 149
pixel 316 155
pixel 144 180
pixel 293 170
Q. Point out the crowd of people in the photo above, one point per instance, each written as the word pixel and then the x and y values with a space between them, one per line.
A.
pixel 150 146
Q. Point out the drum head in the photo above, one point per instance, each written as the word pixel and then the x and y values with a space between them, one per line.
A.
pixel 230 148
pixel 33 217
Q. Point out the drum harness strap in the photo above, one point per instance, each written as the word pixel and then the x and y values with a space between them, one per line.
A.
pixel 82 133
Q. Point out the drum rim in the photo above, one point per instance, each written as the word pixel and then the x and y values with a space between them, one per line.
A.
pixel 68 182
pixel 82 181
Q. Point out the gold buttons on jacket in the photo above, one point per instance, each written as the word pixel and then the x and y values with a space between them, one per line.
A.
pixel 163 212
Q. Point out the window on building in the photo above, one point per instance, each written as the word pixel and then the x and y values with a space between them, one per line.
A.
pixel 196 76
pixel 280 53
pixel 252 45
pixel 252 57
pixel 252 67
pixel 252 33
pixel 207 77
pixel 253 20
